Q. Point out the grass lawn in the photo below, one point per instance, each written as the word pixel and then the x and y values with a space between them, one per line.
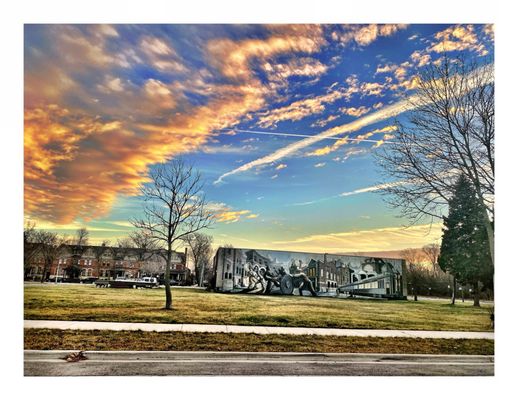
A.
pixel 55 339
pixel 87 303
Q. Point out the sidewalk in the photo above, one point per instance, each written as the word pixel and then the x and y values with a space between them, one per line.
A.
pixel 261 330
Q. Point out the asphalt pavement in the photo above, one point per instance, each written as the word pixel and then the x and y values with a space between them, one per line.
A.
pixel 131 363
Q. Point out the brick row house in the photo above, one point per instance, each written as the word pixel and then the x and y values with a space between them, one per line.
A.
pixel 86 263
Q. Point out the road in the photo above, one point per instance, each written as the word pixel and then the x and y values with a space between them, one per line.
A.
pixel 128 363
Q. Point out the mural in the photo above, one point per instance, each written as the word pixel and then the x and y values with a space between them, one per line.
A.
pixel 286 272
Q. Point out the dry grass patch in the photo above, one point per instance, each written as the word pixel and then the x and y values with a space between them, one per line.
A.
pixel 55 339
pixel 87 303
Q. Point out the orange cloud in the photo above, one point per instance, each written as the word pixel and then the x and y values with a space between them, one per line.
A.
pixel 303 108
pixel 355 111
pixel 323 122
pixel 233 58
pixel 363 35
pixel 77 162
pixel 390 128
pixel 161 54
pixel 341 142
pixel 329 149
pixel 420 58
pixel 456 38
pixel 386 238
pixel 303 66
pixel 234 216
pixel 372 88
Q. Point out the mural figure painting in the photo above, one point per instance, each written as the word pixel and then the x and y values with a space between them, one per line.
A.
pixel 286 273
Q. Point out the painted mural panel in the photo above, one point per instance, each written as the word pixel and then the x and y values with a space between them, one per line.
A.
pixel 317 274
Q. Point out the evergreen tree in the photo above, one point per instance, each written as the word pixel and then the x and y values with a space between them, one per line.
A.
pixel 465 249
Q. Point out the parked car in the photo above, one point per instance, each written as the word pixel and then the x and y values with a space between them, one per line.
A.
pixel 121 283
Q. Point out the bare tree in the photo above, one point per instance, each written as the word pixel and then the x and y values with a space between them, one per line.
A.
pixel 414 259
pixel 79 244
pixel 431 251
pixel 98 253
pixel 175 207
pixel 50 247
pixel 82 237
pixel 146 250
pixel 123 249
pixel 143 242
pixel 31 246
pixel 200 246
pixel 125 242
pixel 449 132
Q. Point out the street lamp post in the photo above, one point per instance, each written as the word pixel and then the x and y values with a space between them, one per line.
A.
pixel 462 293
pixel 449 295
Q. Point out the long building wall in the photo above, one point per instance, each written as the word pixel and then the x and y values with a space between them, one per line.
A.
pixel 383 277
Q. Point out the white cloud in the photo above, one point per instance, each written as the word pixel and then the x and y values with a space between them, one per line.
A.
pixel 382 114
pixel 369 119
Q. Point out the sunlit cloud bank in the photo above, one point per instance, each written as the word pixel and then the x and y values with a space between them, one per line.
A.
pixel 93 128
pixel 381 239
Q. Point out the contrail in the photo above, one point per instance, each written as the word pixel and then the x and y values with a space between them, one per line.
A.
pixel 357 191
pixel 380 115
pixel 266 133
pixel 384 113
pixel 374 188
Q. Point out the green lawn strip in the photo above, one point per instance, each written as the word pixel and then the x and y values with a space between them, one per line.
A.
pixel 56 339
pixel 87 303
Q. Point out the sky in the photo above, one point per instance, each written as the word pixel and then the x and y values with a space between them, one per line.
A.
pixel 282 121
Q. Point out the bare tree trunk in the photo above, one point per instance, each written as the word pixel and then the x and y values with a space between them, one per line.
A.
pixel 490 237
pixel 43 273
pixel 454 291
pixel 476 294
pixel 200 280
pixel 167 278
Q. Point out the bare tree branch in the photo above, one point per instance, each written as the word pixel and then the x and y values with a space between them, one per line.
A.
pixel 450 131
